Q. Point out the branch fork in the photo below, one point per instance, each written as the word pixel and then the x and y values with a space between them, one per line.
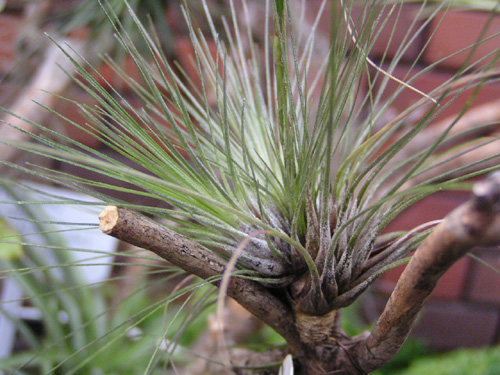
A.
pixel 192 257
pixel 474 223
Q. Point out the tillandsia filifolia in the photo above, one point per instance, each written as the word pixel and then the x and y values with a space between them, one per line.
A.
pixel 280 143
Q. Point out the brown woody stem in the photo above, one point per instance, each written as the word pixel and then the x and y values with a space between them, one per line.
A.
pixel 140 231
pixel 474 223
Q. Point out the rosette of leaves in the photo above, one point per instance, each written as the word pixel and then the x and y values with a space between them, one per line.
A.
pixel 297 163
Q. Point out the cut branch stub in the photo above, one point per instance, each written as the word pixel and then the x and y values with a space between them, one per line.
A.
pixel 475 223
pixel 189 255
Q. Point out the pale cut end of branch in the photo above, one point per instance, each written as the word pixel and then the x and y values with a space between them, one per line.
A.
pixel 143 232
pixel 108 219
pixel 487 193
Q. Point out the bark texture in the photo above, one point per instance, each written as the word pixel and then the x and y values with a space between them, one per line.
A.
pixel 140 231
pixel 475 223
pixel 321 347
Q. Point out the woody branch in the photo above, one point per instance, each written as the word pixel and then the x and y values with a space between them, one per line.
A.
pixel 475 223
pixel 143 232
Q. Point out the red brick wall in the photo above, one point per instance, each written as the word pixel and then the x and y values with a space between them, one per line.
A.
pixel 464 309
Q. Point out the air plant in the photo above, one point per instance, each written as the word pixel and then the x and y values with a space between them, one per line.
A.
pixel 272 160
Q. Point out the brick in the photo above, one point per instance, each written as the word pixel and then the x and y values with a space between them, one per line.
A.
pixel 8 92
pixel 449 287
pixel 446 325
pixel 456 30
pixel 14 5
pixel 427 82
pixel 73 113
pixel 10 27
pixel 395 24
pixel 434 207
pixel 484 283
pixel 185 56
pixel 108 77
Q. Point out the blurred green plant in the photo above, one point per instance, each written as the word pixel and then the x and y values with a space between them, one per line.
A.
pixel 412 351
pixel 484 361
pixel 82 327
